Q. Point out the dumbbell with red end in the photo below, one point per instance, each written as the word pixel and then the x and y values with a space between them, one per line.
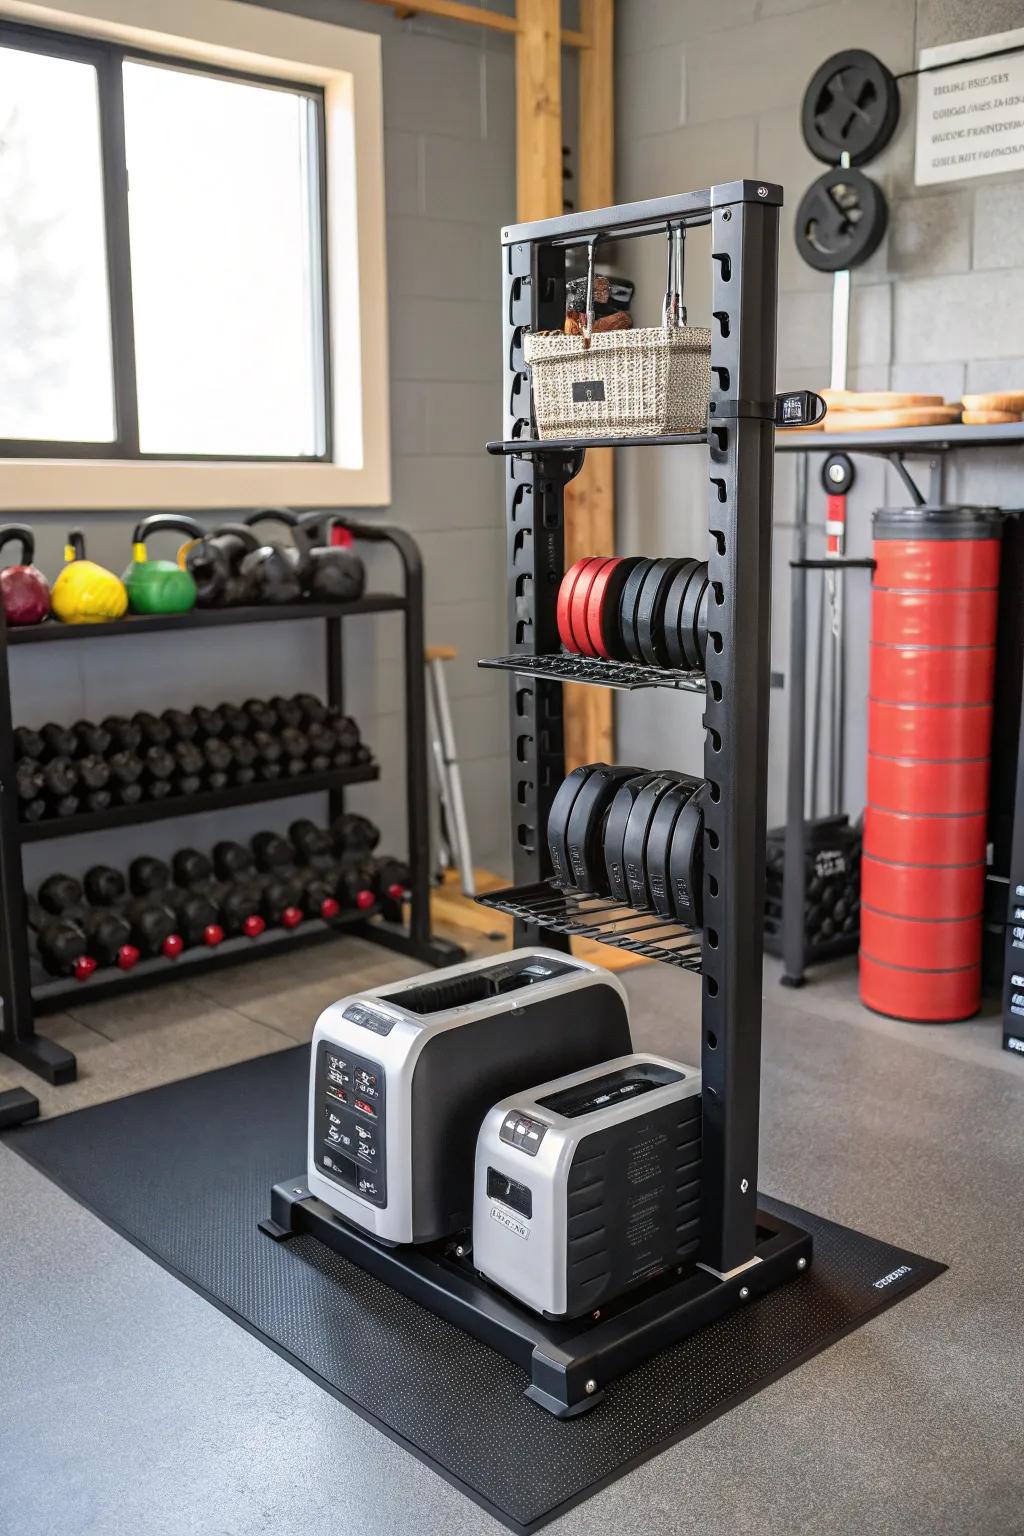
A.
pixel 313 845
pixel 352 883
pixel 353 833
pixel 61 944
pixel 281 898
pixel 319 898
pixel 198 917
pixel 392 882
pixel 239 908
pixel 107 929
pixel 154 924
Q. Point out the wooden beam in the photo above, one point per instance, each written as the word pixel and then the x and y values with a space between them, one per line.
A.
pixel 589 720
pixel 479 16
pixel 538 111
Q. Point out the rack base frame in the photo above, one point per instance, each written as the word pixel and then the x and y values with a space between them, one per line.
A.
pixel 570 1364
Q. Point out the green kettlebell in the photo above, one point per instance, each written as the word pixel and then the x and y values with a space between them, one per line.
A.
pixel 160 586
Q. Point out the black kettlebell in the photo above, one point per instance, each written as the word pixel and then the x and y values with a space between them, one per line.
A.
pixel 215 564
pixel 279 572
pixel 337 574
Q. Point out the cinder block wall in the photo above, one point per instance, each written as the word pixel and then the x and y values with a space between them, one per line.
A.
pixel 449 138
pixel 711 92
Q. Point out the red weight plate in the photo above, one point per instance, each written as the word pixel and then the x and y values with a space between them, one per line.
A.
pixel 603 629
pixel 580 598
pixel 933 618
pixel 563 608
pixel 928 789
pixel 939 733
pixel 937 563
pixel 918 945
pixel 903 674
pixel 917 890
pixel 916 839
pixel 926 997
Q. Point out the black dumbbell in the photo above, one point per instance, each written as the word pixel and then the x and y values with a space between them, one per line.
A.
pixel 158 770
pixel 93 740
pixel 353 885
pixel 191 870
pixel 319 898
pixel 311 710
pixel 125 735
pixel 28 780
pixel 182 724
pixel 154 927
pixel 147 875
pixel 287 711
pixel 59 740
pixel 313 845
pixel 268 755
pixel 63 948
pixel 209 723
pixel 125 774
pixel 243 755
pixel 189 763
pixel 108 935
pixel 237 721
pixel 232 861
pixel 353 833
pixel 239 906
pixel 198 917
pixel 391 882
pixel 218 761
pixel 103 885
pixel 61 894
pixel 153 731
pixel 28 743
pixel 281 899
pixel 272 852
pixel 261 716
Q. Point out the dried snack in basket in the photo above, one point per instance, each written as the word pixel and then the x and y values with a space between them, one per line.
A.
pixel 618 320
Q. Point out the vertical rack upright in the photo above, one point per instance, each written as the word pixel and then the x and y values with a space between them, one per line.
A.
pixel 744 219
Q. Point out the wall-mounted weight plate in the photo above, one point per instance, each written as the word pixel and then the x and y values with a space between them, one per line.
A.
pixel 558 820
pixel 579 607
pixel 603 629
pixel 634 844
pixel 689 571
pixel 659 843
pixel 563 607
pixel 688 617
pixel 686 860
pixel 851 107
pixel 840 221
pixel 615 834
pixel 584 840
pixel 628 606
pixel 650 611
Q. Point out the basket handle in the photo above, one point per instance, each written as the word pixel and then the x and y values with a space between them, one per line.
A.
pixel 588 319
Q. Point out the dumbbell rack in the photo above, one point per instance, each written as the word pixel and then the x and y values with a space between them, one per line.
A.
pixel 22 1001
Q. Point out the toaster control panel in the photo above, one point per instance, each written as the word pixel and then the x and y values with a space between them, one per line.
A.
pixel 349 1122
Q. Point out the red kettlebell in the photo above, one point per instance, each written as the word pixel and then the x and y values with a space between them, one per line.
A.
pixel 23 588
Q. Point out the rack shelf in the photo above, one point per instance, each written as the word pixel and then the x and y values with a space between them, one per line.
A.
pixel 195 805
pixel 903 439
pixel 202 618
pixel 626 675
pixel 582 916
pixel 576 444
pixel 56 992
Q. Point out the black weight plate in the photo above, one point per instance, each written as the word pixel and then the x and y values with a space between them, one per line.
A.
pixel 700 627
pixel 840 221
pixel 851 107
pixel 688 616
pixel 686 860
pixel 650 611
pixel 634 844
pixel 627 609
pixel 615 833
pixel 584 844
pixel 659 841
pixel 673 612
pixel 558 819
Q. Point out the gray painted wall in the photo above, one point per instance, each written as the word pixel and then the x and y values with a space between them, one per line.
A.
pixel 450 168
pixel 711 92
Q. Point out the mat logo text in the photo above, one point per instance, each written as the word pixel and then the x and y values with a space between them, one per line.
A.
pixel 895 1274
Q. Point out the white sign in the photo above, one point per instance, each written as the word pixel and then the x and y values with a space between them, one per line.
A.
pixel 970 118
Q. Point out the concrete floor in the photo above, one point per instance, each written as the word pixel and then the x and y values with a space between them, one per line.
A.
pixel 128 1404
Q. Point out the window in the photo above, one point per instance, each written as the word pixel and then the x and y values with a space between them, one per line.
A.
pixel 162 263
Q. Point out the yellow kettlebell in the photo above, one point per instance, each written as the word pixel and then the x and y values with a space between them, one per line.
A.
pixel 84 592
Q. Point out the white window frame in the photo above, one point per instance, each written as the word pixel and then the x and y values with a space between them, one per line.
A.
pixel 346 64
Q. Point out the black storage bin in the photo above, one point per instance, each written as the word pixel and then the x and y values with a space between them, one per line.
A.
pixel 831 893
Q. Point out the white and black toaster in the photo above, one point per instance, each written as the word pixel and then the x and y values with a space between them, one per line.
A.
pixel 402 1076
pixel 589 1185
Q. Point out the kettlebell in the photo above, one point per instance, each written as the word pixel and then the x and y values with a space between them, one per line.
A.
pixel 84 592
pixel 160 586
pixel 280 572
pixel 337 574
pixel 214 563
pixel 23 588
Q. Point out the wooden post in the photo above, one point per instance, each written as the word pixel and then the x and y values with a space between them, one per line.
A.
pixel 538 110
pixel 590 498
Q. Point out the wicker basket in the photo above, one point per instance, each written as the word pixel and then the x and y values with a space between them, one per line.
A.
pixel 630 383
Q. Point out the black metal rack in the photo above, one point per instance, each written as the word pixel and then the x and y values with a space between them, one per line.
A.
pixel 23 1001
pixel 896 446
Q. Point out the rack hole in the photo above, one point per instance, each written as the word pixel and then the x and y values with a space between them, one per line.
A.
pixel 716 740
pixel 712 885
pixel 712 1040
pixel 715 793
pixel 526 838
pixel 712 986
pixel 718 643
pixel 719 590
pixel 726 265
pixel 722 316
pixel 524 791
pixel 713 839
pixel 716 692
pixel 523 627
pixel 719 486
pixel 722 376
pixel 711 934
pixel 719 539
pixel 522 701
pixel 523 745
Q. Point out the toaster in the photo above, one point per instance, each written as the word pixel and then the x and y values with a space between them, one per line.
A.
pixel 589 1185
pixel 402 1075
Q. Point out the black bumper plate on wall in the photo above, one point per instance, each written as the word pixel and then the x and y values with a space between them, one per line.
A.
pixel 184 1172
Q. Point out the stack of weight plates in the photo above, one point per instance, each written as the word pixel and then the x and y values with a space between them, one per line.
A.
pixel 654 612
pixel 933 629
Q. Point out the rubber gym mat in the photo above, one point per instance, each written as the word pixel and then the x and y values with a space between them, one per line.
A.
pixel 184 1172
